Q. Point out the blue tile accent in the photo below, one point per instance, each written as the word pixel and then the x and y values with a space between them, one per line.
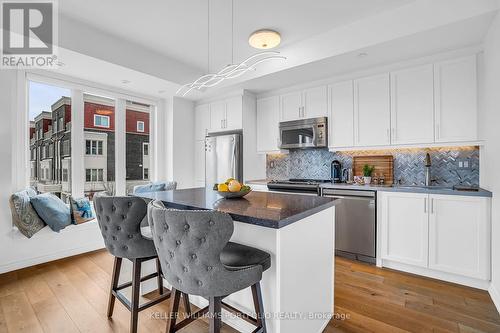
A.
pixel 408 164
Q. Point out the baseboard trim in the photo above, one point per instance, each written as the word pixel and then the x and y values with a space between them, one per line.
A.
pixel 495 296
pixel 453 278
pixel 51 257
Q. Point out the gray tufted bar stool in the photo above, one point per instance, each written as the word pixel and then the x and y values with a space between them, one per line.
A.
pixel 119 219
pixel 197 258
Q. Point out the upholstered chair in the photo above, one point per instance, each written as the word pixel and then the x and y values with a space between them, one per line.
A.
pixel 119 219
pixel 190 246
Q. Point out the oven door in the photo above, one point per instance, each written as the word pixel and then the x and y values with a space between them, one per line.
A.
pixel 298 136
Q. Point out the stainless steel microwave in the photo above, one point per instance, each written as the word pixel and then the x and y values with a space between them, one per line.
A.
pixel 304 133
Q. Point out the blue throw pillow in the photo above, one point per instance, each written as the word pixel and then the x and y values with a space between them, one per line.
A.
pixel 52 210
pixel 153 187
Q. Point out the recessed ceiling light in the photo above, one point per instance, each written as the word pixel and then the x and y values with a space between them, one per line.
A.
pixel 362 54
pixel 125 81
pixel 264 39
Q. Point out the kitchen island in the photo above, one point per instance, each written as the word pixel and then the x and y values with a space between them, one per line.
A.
pixel 298 232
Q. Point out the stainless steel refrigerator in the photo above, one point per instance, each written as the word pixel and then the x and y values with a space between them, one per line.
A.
pixel 224 158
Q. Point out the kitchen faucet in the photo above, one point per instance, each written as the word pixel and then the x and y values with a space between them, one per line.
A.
pixel 428 180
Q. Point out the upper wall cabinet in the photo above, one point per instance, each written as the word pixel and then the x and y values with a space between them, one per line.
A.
pixel 226 115
pixel 412 105
pixel 455 84
pixel 341 117
pixel 268 124
pixel 372 113
pixel 309 103
pixel 202 121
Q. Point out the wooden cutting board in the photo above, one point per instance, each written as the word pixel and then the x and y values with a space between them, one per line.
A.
pixel 384 165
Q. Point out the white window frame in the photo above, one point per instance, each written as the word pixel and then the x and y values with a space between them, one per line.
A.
pixel 102 116
pixel 145 144
pixel 144 173
pixel 96 146
pixel 140 122
pixel 77 177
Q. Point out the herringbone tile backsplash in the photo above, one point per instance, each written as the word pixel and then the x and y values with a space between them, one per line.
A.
pixel 408 164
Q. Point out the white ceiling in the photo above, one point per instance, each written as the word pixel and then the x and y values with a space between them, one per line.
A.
pixel 178 29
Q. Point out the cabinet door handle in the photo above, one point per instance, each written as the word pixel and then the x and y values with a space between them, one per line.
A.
pixel 432 206
pixel 425 205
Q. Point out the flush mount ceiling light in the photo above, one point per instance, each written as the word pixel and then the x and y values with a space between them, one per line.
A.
pixel 264 39
pixel 233 70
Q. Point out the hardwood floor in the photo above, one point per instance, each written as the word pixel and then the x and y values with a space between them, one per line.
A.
pixel 70 295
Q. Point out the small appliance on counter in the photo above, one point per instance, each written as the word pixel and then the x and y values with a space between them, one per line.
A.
pixel 336 172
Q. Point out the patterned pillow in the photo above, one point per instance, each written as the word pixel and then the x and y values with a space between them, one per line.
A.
pixel 24 216
pixel 81 210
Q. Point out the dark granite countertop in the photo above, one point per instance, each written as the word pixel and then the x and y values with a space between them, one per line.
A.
pixel 446 190
pixel 267 209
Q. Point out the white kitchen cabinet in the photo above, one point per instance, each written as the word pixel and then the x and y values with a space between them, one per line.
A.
pixel 315 102
pixel 341 118
pixel 199 162
pixel 412 105
pixel 440 234
pixel 202 121
pixel 309 103
pixel 226 115
pixel 405 227
pixel 291 106
pixel 217 116
pixel 455 84
pixel 372 115
pixel 459 235
pixel 234 114
pixel 268 124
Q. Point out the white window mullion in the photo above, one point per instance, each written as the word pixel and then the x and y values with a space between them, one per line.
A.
pixel 77 148
pixel 120 147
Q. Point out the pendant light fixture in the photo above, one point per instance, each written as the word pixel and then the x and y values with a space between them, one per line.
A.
pixel 233 70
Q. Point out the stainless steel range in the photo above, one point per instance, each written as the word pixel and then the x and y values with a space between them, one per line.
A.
pixel 303 186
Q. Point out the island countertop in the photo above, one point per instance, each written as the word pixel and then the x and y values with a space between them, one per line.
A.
pixel 267 209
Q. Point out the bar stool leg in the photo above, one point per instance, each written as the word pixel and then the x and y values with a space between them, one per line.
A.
pixel 215 314
pixel 187 304
pixel 174 310
pixel 159 278
pixel 136 286
pixel 259 306
pixel 114 283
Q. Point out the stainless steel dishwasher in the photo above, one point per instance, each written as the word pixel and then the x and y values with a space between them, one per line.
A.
pixel 355 223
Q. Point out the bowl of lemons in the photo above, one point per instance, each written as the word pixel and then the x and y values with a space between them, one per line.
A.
pixel 232 189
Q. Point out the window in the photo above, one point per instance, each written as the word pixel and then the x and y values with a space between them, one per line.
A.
pixel 138 166
pixel 66 147
pixel 94 175
pixel 101 121
pixel 93 147
pixel 140 126
pixel 65 175
pixel 61 124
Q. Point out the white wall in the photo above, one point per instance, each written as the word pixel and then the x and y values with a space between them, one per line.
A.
pixel 490 153
pixel 180 142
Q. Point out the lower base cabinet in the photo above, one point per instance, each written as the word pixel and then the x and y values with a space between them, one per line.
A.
pixel 442 233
